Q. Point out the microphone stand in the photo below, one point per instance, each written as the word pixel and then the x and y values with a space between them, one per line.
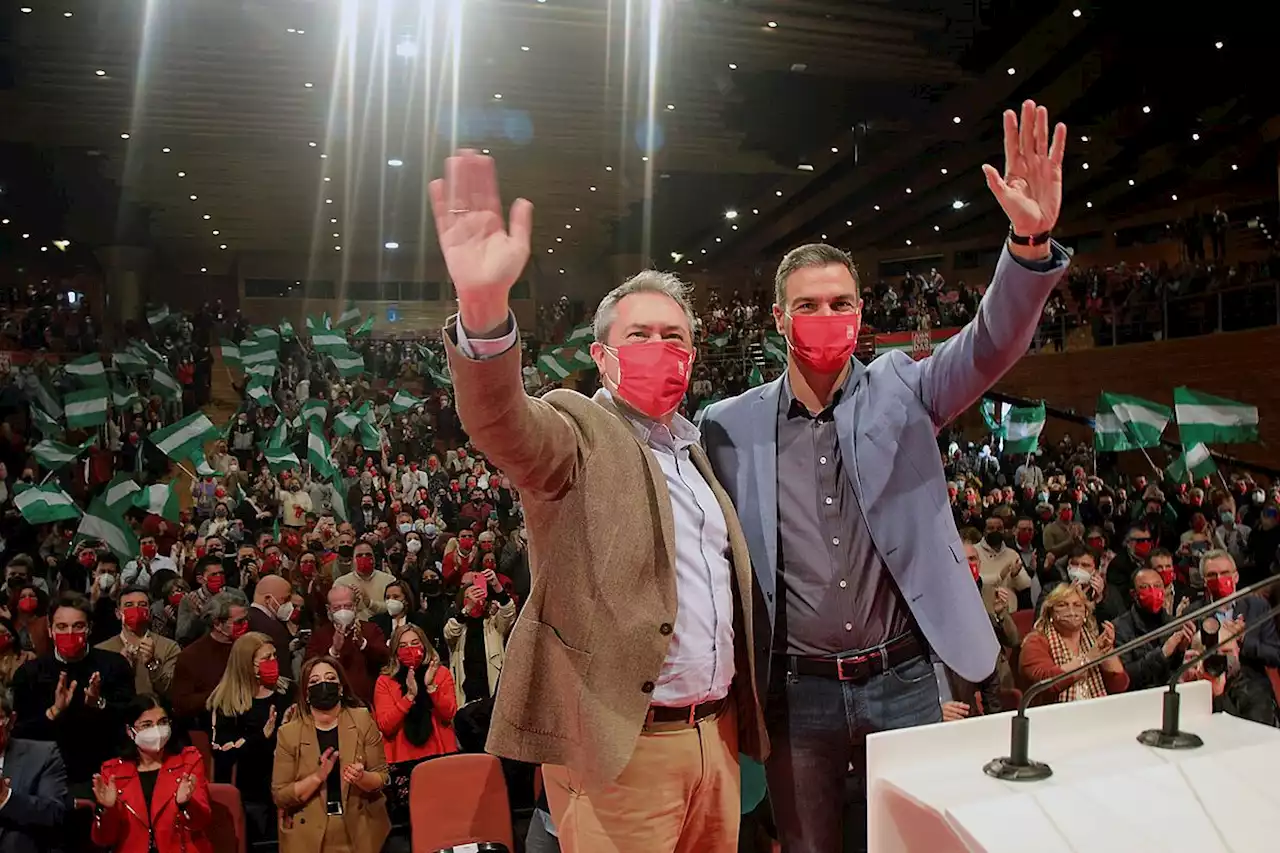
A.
pixel 1017 766
pixel 1168 735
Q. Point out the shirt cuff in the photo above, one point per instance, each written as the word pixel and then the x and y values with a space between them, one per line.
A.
pixel 486 348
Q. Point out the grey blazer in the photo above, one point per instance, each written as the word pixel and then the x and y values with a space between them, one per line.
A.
pixel 31 821
pixel 887 428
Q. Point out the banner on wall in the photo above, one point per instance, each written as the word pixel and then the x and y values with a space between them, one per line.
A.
pixel 915 344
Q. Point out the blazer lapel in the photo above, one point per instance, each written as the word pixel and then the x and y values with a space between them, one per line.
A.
pixel 764 446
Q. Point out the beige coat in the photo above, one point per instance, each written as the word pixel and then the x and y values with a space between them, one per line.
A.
pixel 585 654
pixel 302 824
pixel 146 679
pixel 496 629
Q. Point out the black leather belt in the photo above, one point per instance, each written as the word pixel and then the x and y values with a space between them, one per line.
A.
pixel 689 715
pixel 860 666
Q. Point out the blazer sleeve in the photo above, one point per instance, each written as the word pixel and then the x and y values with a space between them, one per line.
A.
pixel 197 810
pixel 375 754
pixel 968 364
pixel 534 443
pixel 285 770
pixel 390 706
pixel 1261 645
pixel 162 678
pixel 46 807
pixel 106 829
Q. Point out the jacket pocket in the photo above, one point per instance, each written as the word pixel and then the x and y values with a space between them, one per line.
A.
pixel 542 680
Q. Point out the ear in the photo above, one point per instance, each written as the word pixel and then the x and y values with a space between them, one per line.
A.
pixel 779 319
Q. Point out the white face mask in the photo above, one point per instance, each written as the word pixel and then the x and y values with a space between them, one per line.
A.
pixel 152 739
pixel 1079 576
pixel 105 582
pixel 284 611
pixel 343 618
pixel 395 606
pixel 413 546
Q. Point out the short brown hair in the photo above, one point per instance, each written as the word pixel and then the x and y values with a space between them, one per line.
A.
pixel 349 698
pixel 806 256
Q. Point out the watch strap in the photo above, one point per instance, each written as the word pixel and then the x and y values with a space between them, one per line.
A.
pixel 1033 240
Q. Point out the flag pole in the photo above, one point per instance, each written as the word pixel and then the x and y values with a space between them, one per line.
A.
pixel 1144 453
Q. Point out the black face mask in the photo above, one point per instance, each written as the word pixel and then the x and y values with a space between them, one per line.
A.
pixel 346 551
pixel 432 586
pixel 995 540
pixel 324 695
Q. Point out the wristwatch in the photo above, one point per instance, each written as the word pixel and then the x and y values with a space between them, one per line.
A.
pixel 1033 240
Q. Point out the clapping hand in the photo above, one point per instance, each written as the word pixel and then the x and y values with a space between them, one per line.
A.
pixel 63 692
pixel 411 685
pixel 1002 598
pixel 93 693
pixel 186 786
pixel 327 762
pixel 270 728
pixel 1030 190
pixel 104 790
pixel 353 774
pixel 1106 639
pixel 430 677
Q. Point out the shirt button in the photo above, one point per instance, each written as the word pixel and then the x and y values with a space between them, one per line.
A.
pixel 848 626
pixel 647 687
pixel 828 501
pixel 843 584
pixel 835 540
pixel 664 629
pixel 822 460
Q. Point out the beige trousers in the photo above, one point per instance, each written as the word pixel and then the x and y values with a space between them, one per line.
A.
pixel 680 793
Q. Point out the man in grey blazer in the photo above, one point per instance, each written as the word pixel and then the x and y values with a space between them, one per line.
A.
pixel 33 790
pixel 835 471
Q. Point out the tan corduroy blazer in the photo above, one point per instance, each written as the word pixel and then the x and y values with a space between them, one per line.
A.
pixel 589 644
pixel 302 824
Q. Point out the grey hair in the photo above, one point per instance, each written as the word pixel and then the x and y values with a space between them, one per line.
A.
pixel 6 702
pixel 648 281
pixel 807 256
pixel 219 607
pixel 1216 554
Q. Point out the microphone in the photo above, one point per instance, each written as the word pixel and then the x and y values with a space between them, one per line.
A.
pixel 1168 736
pixel 1017 766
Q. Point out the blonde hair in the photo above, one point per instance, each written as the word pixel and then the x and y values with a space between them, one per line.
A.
pixel 235 691
pixel 1055 597
pixel 393 645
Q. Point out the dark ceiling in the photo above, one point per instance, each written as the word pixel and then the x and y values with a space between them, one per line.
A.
pixel 864 92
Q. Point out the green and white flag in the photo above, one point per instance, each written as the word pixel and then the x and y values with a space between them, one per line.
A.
pixel 329 342
pixel 119 490
pixel 348 363
pixel 347 318
pixel 755 376
pixel 260 395
pixel 345 422
pixel 165 384
pixel 129 362
pixel 988 408
pixel 257 352
pixel 580 337
pixel 44 504
pixel 230 353
pixel 365 328
pixel 317 324
pixel 48 426
pixel 550 364
pixel 279 435
pixel 183 439
pixel 319 454
pixel 265 372
pixel 286 330
pixel 123 396
pixel 54 455
pixel 719 341
pixel 1196 462
pixel 370 437
pixel 103 524
pixel 339 500
pixel 281 459
pixel 45 397
pixel 88 371
pixel 403 401
pixel 158 316
pixel 315 410
pixel 203 468
pixel 1128 423
pixel 144 350
pixel 1022 429
pixel 160 499
pixel 1205 419
pixel 775 348
pixel 441 376
pixel 86 409
pixel 267 336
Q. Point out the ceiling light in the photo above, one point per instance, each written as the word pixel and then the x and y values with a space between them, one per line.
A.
pixel 391 244
pixel 216 233
pixel 937 228
pixel 1131 182
pixel 908 242
pixel 1195 137
pixel 4 221
pixel 193 197
pixel 756 211
pixel 165 150
pixel 773 25
pixel 1175 196
pixel 593 189
pixel 562 271
pixel 944 170
pixel 182 174
pixel 207 216
pixel 731 214
pixel 1084 166
pixel 204 269
pixel 805 167
pixel 955 119
pixel 1012 71
pixel 875 207
pixel 1146 110
pixel 311 144
pixel 26 236
pixel 337 234
pixel 778 193
pixel 644 159
pixel 291 30
pixel 525 48
pixel 337 248
pixel 497 96
pixel 1075 13
pixel 717 239
pixel 100 73
pixel 1084 139
pixel 223 246
pixel 484 150
pixel 734 227
pixel 327 179
pixel 551 251
pixel 26 10
pixel 733 66
pixel 395 162
pixel 848 223
pixel 955 205
pixel 44 248
pixel 328 201
pixel 704 251
pixel 308 85
pixel 823 236
pixel 835 150
pixel 1216 44
pixel 671 106
pixel 608 168
pixel 1089 204
pixel 577 210
pixel 324 156
pixel 559 239
pixel 1234 167
pixel 333 221
pixel 124 136
pixel 908 190
pixel 66 14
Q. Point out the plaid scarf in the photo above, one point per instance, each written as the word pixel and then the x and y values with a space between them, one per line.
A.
pixel 1088 686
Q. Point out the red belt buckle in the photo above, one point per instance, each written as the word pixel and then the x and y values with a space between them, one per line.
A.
pixel 840 662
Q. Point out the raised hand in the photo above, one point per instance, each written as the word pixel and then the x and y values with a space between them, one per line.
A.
pixel 1106 638
pixel 104 791
pixel 92 693
pixel 484 256
pixel 186 786
pixel 327 762
pixel 353 774
pixel 270 728
pixel 63 692
pixel 1030 191
pixel 430 678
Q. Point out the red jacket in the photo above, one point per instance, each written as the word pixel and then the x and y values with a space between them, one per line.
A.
pixel 390 706
pixel 125 827
pixel 455 565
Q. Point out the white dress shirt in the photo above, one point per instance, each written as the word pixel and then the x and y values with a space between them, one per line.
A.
pixel 700 665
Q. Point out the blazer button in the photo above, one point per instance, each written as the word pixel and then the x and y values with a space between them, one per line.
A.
pixel 647 687
pixel 665 628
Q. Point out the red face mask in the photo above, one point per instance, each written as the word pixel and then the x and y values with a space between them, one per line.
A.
pixel 364 565
pixel 653 376
pixel 175 598
pixel 268 672
pixel 824 343
pixel 28 605
pixel 272 561
pixel 307 569
pixel 1220 586
pixel 216 583
pixel 6 642
pixel 239 629
pixel 296 615
pixel 1151 599
pixel 149 551
pixel 1142 548
pixel 88 558
pixel 1065 516
pixel 1096 542
pixel 1197 524
pixel 410 656
pixel 1196 500
pixel 1025 536
pixel 1166 575
pixel 975 569
pixel 486 546
pixel 465 542
pixel 70 646
pixel 136 619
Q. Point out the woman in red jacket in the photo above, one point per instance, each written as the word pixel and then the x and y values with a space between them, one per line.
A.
pixel 414 700
pixel 156 799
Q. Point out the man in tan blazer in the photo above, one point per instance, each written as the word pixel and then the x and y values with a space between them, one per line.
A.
pixel 630 672
pixel 151 656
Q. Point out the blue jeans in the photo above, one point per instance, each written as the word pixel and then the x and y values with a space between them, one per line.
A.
pixel 818 728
